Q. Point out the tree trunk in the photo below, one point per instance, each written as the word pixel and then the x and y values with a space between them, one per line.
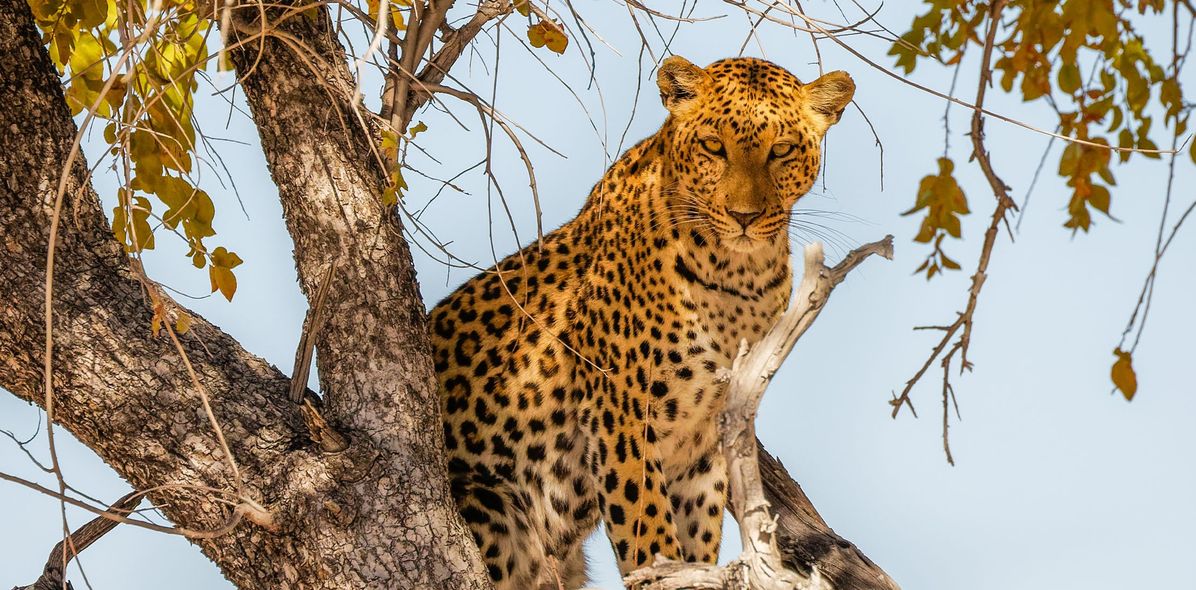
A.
pixel 375 516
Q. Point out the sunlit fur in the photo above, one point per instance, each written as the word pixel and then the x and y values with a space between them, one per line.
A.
pixel 578 378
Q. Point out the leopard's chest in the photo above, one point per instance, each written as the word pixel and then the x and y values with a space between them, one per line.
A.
pixel 714 323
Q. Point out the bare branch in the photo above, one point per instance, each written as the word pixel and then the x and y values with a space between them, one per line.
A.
pixel 54 575
pixel 1004 204
pixel 321 432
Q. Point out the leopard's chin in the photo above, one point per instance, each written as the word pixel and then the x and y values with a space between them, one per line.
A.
pixel 743 244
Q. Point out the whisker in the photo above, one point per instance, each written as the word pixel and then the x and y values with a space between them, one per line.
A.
pixel 848 238
pixel 833 215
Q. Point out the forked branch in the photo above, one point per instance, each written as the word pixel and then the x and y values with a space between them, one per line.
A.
pixel 963 322
pixel 760 566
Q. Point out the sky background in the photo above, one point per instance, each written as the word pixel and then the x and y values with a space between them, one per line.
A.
pixel 1058 484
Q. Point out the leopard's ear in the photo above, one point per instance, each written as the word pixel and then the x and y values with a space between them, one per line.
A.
pixel 827 96
pixel 680 82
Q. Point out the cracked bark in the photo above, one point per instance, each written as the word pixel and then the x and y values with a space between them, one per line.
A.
pixel 376 515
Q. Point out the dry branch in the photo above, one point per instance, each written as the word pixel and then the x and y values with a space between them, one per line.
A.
pixel 760 566
pixel 963 321
pixel 54 574
pixel 807 542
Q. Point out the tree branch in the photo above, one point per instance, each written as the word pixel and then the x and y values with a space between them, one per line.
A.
pixel 53 575
pixel 367 517
pixel 1004 204
pixel 375 515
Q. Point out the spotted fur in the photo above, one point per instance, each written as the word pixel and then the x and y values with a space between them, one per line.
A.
pixel 577 377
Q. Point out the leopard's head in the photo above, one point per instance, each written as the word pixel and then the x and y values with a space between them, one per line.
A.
pixel 743 144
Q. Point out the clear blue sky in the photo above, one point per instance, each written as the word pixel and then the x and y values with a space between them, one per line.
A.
pixel 1058 483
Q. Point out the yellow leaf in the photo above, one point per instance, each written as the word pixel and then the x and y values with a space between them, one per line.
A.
pixel 135 236
pixel 1123 374
pixel 223 280
pixel 93 13
pixel 390 145
pixel 225 259
pixel 535 34
pixel 183 323
pixel 417 129
pixel 548 34
pixel 220 272
pixel 1099 198
pixel 1069 78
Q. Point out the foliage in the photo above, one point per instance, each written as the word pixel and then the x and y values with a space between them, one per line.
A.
pixel 134 66
pixel 1123 374
pixel 944 201
pixel 1086 61
pixel 1083 58
pixel 542 31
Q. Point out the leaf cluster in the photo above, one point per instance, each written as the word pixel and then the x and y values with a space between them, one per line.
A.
pixel 542 31
pixel 943 201
pixel 134 66
pixel 1086 60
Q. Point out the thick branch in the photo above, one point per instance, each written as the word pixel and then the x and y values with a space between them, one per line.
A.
pixel 377 515
pixel 122 391
pixel 373 352
pixel 807 543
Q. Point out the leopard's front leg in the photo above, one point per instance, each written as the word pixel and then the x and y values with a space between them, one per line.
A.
pixel 627 470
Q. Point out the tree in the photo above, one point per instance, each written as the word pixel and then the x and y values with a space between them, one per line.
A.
pixel 317 513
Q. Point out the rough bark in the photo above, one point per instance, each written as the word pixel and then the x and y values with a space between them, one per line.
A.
pixel 374 355
pixel 377 515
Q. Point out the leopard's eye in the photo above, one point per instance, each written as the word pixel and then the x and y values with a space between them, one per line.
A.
pixel 781 150
pixel 714 146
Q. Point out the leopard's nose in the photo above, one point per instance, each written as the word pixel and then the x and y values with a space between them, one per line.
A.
pixel 745 218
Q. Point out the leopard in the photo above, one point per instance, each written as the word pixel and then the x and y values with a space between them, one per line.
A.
pixel 579 378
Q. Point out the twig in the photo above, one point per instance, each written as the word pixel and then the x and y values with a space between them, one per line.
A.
pixel 1004 203
pixel 54 574
pixel 224 529
pixel 321 432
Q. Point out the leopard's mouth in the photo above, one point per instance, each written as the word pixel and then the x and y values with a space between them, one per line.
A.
pixel 742 242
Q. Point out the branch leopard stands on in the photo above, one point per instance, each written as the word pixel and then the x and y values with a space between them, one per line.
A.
pixel 603 403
